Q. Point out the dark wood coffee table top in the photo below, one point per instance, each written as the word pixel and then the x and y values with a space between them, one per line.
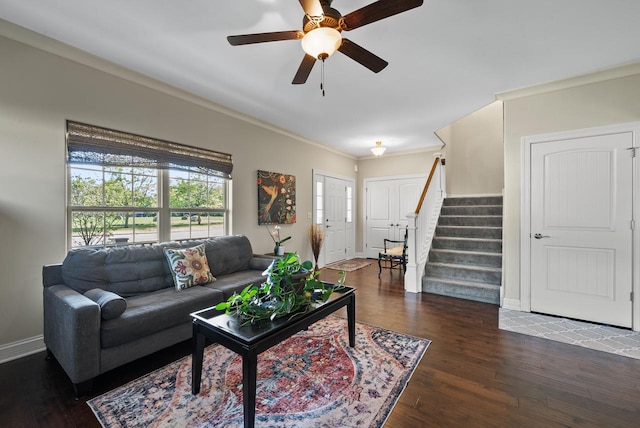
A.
pixel 250 333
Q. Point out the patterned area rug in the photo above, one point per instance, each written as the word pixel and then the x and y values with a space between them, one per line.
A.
pixel 349 265
pixel 311 379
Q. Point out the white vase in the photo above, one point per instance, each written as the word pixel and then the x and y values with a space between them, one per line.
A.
pixel 280 251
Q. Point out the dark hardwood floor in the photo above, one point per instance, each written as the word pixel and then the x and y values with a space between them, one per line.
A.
pixel 472 375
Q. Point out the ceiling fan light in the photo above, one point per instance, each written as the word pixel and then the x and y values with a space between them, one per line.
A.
pixel 321 42
pixel 379 149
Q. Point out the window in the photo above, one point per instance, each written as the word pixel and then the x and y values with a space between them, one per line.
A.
pixel 349 201
pixel 319 202
pixel 197 205
pixel 128 189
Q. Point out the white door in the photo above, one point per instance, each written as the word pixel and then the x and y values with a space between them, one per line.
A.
pixel 409 192
pixel 380 215
pixel 335 220
pixel 581 231
pixel 388 201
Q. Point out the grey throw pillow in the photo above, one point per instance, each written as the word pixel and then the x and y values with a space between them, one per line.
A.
pixel 111 305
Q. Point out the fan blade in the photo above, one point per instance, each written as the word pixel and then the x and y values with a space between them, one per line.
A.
pixel 247 39
pixel 363 56
pixel 377 11
pixel 312 7
pixel 304 70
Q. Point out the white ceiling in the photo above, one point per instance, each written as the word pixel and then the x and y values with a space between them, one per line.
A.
pixel 446 58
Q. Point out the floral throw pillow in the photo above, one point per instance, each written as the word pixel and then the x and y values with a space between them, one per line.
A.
pixel 189 266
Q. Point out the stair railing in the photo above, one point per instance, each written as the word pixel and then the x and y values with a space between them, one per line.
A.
pixel 422 225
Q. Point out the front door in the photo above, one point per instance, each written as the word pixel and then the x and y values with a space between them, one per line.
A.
pixel 335 220
pixel 581 228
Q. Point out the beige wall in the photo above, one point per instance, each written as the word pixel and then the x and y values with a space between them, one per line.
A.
pixel 39 91
pixel 616 100
pixel 475 153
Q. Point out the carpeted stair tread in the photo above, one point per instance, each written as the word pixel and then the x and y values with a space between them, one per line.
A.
pixel 446 250
pixel 480 292
pixel 464 243
pixel 475 200
pixel 470 220
pixel 473 227
pixel 462 238
pixel 494 232
pixel 481 258
pixel 467 267
pixel 471 215
pixel 472 207
pixel 462 282
pixel 471 210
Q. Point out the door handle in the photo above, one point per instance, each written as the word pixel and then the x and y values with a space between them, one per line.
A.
pixel 540 236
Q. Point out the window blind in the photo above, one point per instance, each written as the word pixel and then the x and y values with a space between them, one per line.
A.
pixel 89 144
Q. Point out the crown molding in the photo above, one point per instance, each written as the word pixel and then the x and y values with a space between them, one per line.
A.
pixel 617 72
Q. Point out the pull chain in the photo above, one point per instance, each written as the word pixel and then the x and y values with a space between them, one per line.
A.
pixel 322 78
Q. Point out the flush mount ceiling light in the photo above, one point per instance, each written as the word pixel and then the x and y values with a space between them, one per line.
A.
pixel 321 42
pixel 379 149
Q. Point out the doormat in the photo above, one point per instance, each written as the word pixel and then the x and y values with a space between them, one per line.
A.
pixel 349 265
pixel 311 379
pixel 605 338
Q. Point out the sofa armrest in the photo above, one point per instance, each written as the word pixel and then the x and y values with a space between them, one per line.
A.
pixel 261 262
pixel 52 274
pixel 72 331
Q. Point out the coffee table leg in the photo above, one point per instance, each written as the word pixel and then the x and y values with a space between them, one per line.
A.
pixel 196 359
pixel 249 382
pixel 351 320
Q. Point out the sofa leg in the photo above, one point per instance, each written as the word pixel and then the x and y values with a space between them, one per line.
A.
pixel 49 355
pixel 83 389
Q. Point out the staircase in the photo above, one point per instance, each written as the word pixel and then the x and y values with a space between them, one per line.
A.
pixel 465 259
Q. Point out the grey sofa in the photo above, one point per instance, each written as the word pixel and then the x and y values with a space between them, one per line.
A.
pixel 80 330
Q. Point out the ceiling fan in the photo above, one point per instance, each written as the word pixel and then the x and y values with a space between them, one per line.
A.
pixel 320 34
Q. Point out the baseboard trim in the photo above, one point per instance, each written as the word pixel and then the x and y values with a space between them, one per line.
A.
pixel 21 348
pixel 513 304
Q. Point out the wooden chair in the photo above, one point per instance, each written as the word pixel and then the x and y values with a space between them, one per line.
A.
pixel 394 255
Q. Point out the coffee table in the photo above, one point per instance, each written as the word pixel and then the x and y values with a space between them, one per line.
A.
pixel 252 339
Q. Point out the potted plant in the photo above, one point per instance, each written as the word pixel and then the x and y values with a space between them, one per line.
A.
pixel 291 287
pixel 278 249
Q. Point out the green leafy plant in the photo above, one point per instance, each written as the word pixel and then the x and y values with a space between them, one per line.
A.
pixel 291 287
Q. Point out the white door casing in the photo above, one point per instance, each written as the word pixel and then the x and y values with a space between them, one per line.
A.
pixel 578 195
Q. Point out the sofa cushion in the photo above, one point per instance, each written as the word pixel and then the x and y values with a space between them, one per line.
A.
pixel 111 305
pixel 235 282
pixel 126 271
pixel 188 266
pixel 153 312
pixel 228 254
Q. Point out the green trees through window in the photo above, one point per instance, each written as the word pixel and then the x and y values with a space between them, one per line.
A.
pixel 117 205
